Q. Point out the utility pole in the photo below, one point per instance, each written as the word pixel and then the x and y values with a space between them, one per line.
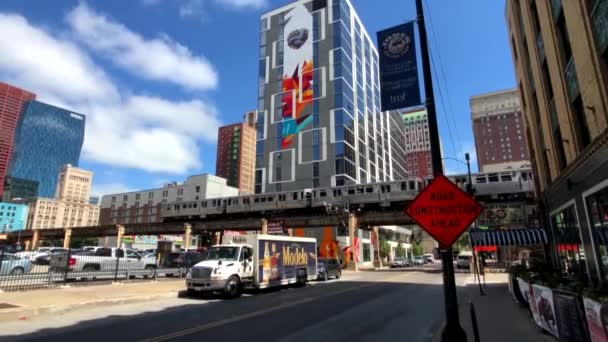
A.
pixel 452 331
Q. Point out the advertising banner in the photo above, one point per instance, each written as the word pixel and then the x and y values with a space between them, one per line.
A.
pixel 525 289
pixel 297 73
pixel 280 260
pixel 399 84
pixel 543 310
pixel 276 227
pixel 593 315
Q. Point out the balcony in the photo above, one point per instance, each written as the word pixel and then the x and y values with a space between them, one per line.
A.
pixel 599 21
pixel 571 80
pixel 540 47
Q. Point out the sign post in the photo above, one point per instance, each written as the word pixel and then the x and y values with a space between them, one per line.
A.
pixel 452 330
pixel 444 211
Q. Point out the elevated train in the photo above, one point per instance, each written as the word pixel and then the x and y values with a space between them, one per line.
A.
pixel 383 194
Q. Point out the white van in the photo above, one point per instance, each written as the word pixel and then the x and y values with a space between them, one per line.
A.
pixel 464 259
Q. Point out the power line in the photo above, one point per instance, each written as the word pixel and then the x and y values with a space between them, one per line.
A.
pixel 449 107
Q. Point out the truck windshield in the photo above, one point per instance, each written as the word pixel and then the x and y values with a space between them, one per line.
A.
pixel 223 253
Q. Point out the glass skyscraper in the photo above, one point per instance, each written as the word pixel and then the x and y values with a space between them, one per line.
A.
pixel 46 138
pixel 319 120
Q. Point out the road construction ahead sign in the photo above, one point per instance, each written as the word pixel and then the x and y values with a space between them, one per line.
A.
pixel 444 211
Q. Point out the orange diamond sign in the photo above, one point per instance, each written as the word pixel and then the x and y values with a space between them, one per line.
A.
pixel 444 211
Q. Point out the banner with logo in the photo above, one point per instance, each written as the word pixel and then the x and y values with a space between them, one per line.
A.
pixel 399 84
pixel 280 260
pixel 595 323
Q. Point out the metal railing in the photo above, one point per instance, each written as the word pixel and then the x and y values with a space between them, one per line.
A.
pixel 60 267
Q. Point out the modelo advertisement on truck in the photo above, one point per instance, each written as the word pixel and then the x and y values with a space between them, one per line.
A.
pixel 279 261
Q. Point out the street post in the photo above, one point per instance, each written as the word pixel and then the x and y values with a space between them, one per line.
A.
pixel 452 330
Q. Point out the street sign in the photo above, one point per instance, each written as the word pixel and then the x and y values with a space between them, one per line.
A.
pixel 443 210
pixel 276 227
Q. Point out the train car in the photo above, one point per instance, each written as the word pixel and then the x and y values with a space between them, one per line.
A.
pixel 294 199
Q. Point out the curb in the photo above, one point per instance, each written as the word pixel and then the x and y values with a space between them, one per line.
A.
pixel 23 313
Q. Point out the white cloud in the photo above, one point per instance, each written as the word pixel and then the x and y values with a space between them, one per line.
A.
pixel 160 59
pixel 34 59
pixel 150 133
pixel 110 188
pixel 244 3
pixel 191 8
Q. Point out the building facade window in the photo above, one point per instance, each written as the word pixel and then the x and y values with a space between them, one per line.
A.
pixel 597 206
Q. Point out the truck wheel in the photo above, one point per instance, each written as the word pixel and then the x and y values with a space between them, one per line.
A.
pixel 233 287
pixel 301 279
pixel 89 269
pixel 339 274
pixel 149 268
pixel 192 293
pixel 325 276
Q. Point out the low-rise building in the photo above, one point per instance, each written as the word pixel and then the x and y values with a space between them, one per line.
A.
pixel 144 206
pixel 13 217
pixel 70 207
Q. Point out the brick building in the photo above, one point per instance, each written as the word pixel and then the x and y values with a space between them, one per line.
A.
pixel 498 126
pixel 236 154
pixel 417 144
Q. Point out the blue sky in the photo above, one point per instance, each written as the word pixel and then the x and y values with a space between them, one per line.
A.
pixel 155 78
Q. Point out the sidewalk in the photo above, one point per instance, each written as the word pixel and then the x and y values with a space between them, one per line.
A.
pixel 499 318
pixel 24 305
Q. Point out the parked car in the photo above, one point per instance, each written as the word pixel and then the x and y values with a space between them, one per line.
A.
pixel 32 255
pixel 105 260
pixel 418 260
pixel 429 258
pixel 327 268
pixel 14 265
pixel 45 258
pixel 401 262
pixel 181 260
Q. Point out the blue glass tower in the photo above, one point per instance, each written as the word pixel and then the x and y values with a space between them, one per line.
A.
pixel 46 138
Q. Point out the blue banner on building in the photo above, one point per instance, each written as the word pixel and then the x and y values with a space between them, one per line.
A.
pixel 399 84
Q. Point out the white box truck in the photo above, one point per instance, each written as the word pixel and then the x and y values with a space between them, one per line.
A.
pixel 254 261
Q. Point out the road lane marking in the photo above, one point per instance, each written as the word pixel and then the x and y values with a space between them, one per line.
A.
pixel 189 331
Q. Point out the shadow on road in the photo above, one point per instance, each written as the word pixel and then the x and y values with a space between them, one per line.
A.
pixel 334 310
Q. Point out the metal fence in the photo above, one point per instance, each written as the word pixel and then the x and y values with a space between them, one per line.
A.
pixel 60 267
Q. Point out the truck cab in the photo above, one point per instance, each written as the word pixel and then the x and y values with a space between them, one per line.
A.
pixel 227 268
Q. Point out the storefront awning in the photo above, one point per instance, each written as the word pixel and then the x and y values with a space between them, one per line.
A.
pixel 515 237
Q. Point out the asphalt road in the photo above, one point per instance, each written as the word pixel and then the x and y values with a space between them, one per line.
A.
pixel 363 306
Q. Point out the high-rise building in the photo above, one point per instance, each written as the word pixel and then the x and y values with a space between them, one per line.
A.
pixel 46 138
pixel 250 118
pixel 11 103
pixel 70 207
pixel 418 160
pixel 560 53
pixel 236 155
pixel 145 205
pixel 18 188
pixel 319 122
pixel 498 126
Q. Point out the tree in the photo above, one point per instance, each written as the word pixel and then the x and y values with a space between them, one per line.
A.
pixel 463 243
pixel 417 249
pixel 400 251
pixel 385 248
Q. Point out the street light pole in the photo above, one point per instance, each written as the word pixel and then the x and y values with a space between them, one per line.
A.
pixel 452 331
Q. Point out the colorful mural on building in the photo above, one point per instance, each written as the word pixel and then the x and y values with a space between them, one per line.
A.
pixel 298 73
